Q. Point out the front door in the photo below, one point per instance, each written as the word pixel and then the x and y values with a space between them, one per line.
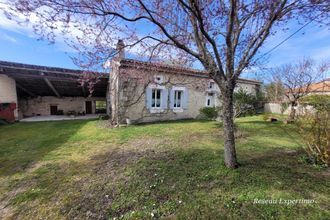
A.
pixel 53 110
pixel 88 107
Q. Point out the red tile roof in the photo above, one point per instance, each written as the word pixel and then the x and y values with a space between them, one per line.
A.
pixel 323 86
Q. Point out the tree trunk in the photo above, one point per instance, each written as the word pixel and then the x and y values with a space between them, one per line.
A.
pixel 292 112
pixel 229 131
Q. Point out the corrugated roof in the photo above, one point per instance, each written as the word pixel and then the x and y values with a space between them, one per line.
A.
pixel 33 80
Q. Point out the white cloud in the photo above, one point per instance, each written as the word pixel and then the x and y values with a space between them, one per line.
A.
pixel 9 24
pixel 8 38
pixel 20 26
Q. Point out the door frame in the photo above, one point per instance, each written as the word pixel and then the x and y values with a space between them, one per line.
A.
pixel 50 108
pixel 91 107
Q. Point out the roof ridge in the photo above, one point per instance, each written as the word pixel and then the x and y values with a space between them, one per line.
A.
pixel 173 66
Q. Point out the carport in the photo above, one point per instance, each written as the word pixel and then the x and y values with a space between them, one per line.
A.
pixel 43 91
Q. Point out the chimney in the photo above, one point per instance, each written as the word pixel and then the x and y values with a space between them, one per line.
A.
pixel 120 49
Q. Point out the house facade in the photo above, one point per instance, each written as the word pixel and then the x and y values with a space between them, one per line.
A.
pixel 146 92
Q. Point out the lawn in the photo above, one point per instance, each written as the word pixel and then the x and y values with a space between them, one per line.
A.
pixel 81 169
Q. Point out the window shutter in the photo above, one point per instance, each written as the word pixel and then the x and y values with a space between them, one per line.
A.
pixel 164 96
pixel 172 98
pixel 185 99
pixel 148 97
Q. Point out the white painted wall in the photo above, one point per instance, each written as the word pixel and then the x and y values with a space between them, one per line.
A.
pixel 272 108
pixel 8 92
pixel 276 108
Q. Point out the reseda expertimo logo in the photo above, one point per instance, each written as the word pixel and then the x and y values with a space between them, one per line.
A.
pixel 283 201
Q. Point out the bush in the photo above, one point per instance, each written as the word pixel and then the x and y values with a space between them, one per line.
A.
pixel 104 117
pixel 314 127
pixel 209 112
pixel 244 103
pixel 319 102
pixel 284 107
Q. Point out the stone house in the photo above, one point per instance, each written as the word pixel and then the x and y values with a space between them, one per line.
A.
pixel 146 92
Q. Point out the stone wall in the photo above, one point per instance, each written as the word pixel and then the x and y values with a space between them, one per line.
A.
pixel 132 98
pixel 41 105
pixel 139 113
pixel 8 91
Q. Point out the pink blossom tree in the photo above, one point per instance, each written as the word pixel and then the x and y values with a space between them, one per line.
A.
pixel 224 36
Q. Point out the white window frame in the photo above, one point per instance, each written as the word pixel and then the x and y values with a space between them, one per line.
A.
pixel 209 87
pixel 160 98
pixel 175 98
pixel 212 102
pixel 181 89
pixel 157 109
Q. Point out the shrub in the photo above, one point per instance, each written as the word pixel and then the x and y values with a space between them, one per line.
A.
pixel 284 107
pixel 244 103
pixel 314 127
pixel 104 117
pixel 317 101
pixel 209 112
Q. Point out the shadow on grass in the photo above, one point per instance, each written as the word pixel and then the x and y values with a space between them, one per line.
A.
pixel 260 122
pixel 178 121
pixel 24 144
pixel 185 183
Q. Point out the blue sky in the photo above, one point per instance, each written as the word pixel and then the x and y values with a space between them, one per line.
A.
pixel 20 44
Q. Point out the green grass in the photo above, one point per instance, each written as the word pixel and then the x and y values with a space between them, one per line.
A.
pixel 80 169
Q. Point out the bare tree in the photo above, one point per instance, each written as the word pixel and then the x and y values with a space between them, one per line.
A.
pixel 298 80
pixel 224 36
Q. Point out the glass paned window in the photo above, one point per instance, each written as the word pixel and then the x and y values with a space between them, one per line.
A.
pixel 210 100
pixel 156 96
pixel 211 85
pixel 100 106
pixel 178 99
